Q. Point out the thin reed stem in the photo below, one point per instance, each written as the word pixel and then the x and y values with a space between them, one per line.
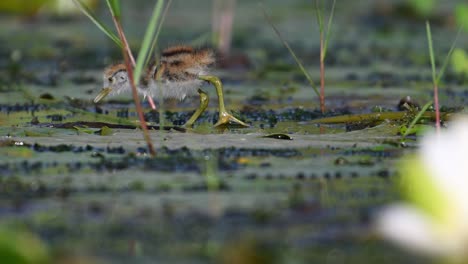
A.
pixel 322 74
pixel 286 45
pixel 434 76
pixel 129 64
pixel 436 106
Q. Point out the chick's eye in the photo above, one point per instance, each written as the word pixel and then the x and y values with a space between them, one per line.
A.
pixel 122 78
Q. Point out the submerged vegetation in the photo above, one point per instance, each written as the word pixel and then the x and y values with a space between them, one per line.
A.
pixel 80 183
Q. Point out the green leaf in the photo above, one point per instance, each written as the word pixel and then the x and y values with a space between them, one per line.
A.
pixel 447 58
pixel 147 41
pixel 318 13
pixel 461 16
pixel 114 6
pixel 327 35
pixel 155 39
pixel 85 10
pixel 431 51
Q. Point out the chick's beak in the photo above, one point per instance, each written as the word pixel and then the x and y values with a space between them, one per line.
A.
pixel 104 92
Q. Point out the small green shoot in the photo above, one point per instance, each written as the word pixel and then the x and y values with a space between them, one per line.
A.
pixel 320 22
pixel 447 58
pixel 324 40
pixel 431 50
pixel 298 62
pixel 416 119
pixel 323 46
pixel 436 77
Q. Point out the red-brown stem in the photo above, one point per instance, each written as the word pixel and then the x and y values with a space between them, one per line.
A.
pixel 436 105
pixel 132 59
pixel 322 74
pixel 124 41
pixel 222 19
pixel 225 32
pixel 127 53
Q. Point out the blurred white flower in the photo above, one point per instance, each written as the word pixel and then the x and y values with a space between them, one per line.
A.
pixel 434 220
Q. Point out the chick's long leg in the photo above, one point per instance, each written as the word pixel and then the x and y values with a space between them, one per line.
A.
pixel 151 102
pixel 203 105
pixel 157 77
pixel 225 118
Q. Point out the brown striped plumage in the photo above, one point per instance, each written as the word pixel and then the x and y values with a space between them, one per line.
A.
pixel 182 63
pixel 178 70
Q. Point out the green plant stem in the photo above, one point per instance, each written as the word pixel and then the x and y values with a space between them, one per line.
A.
pixel 148 40
pixel 296 59
pixel 125 46
pixel 327 35
pixel 434 78
pixel 158 31
pixel 127 53
pixel 447 58
pixel 114 7
pixel 437 109
pixel 85 10
pixel 322 74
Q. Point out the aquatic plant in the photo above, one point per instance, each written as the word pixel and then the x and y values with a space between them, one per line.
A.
pixel 324 38
pixel 409 129
pixel 433 219
pixel 437 76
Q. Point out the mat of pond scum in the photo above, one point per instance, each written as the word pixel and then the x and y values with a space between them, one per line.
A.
pixel 212 195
